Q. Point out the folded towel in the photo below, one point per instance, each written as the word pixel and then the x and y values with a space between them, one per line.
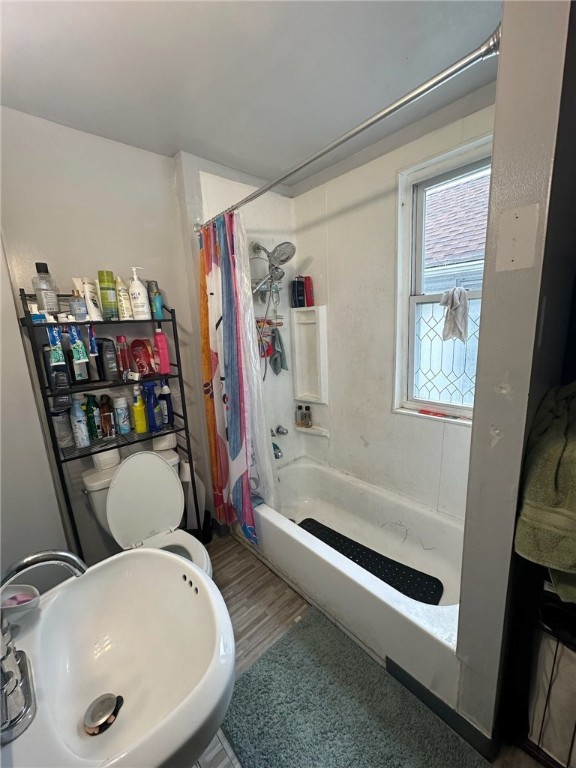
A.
pixel 546 529
pixel 456 317
pixel 278 356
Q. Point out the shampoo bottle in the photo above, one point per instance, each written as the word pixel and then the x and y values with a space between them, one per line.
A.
pixel 139 298
pixel 161 354
pixel 123 299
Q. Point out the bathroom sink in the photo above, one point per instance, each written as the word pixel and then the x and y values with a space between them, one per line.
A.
pixel 145 625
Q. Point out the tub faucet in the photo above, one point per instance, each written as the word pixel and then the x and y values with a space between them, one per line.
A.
pixel 67 560
pixel 277 451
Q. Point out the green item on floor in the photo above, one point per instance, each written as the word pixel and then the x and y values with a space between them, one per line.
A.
pixel 546 529
pixel 317 700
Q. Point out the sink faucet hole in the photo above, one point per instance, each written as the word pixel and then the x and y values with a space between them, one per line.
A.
pixel 102 713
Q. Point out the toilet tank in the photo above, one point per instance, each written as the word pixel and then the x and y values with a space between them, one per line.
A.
pixel 97 482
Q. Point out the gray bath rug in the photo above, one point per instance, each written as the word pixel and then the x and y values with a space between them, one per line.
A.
pixel 317 700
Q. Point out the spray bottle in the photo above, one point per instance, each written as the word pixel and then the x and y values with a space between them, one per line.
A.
pixel 165 400
pixel 139 297
pixel 139 412
pixel 153 409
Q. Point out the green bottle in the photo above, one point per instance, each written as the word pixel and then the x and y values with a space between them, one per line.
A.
pixel 93 418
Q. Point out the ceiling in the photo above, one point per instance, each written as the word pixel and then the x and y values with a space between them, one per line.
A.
pixel 256 86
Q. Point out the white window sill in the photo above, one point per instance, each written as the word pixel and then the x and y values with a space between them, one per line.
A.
pixel 446 418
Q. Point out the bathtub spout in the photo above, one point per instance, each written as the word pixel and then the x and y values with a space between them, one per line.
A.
pixel 277 451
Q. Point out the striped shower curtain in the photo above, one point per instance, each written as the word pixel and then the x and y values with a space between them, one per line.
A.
pixel 240 450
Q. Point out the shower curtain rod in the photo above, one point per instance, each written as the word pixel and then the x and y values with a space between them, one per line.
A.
pixel 491 47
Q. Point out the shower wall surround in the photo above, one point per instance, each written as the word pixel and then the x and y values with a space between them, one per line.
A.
pixel 346 236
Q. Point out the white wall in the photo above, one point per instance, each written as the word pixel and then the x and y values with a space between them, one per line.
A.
pixel 346 232
pixel 83 203
pixel 30 518
pixel 523 324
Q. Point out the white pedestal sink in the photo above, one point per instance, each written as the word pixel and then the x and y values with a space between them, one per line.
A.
pixel 146 625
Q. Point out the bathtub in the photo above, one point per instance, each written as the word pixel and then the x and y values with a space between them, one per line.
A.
pixel 419 638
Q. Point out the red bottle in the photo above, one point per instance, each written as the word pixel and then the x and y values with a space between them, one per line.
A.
pixel 308 291
pixel 161 354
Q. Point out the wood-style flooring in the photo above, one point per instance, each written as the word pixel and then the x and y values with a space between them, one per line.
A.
pixel 263 608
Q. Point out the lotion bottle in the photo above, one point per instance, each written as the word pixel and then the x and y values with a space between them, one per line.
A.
pixel 123 299
pixel 139 297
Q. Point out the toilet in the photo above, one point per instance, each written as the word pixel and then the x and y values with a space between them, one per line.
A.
pixel 140 504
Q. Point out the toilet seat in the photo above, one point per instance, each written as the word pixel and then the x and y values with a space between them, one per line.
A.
pixel 145 504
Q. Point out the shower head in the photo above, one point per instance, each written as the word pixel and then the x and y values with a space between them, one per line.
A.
pixel 278 255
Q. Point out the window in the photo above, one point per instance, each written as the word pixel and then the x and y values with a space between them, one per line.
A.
pixel 446 220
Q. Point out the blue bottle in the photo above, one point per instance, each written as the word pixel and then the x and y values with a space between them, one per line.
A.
pixel 153 409
pixel 165 399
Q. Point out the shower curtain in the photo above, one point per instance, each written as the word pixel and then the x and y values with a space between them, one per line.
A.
pixel 240 448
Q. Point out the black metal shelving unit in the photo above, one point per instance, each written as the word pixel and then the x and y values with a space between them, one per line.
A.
pixel 37 335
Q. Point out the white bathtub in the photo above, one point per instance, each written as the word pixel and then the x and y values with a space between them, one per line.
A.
pixel 420 638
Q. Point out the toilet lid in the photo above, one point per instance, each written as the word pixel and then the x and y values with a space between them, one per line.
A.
pixel 145 499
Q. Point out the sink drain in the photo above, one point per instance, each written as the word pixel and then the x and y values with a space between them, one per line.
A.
pixel 102 713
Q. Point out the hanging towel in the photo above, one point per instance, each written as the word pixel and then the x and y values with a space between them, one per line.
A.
pixel 278 357
pixel 546 529
pixel 456 316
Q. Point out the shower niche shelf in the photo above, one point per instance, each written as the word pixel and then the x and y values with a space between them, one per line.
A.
pixel 313 431
pixel 310 354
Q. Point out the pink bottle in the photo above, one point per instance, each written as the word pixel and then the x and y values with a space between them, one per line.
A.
pixel 161 354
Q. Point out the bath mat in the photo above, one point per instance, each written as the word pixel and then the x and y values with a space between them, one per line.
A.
pixel 412 583
pixel 317 700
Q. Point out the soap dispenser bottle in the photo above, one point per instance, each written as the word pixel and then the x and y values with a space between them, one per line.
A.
pixel 139 297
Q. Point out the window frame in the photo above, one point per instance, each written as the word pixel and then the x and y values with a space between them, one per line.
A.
pixel 412 185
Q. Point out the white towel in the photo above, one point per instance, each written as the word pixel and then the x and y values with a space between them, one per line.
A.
pixel 456 316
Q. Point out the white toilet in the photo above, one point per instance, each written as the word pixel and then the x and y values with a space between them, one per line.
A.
pixel 140 503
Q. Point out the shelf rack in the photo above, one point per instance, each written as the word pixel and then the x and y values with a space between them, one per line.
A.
pixel 63 456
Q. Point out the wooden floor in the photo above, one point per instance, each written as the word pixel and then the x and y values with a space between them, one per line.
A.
pixel 263 608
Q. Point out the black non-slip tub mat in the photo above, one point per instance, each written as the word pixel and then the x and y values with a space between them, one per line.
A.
pixel 412 583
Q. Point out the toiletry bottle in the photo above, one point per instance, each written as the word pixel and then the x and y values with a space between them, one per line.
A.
pixel 153 409
pixel 79 425
pixel 92 299
pixel 165 400
pixel 139 298
pixel 123 299
pixel 62 428
pixel 161 354
pixel 155 297
pixel 78 306
pixel 108 294
pixel 44 287
pixel 122 415
pixel 139 412
pixel 107 360
pixel 122 354
pixel 107 417
pixel 141 356
pixel 93 418
pixel 307 416
pixel 300 416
